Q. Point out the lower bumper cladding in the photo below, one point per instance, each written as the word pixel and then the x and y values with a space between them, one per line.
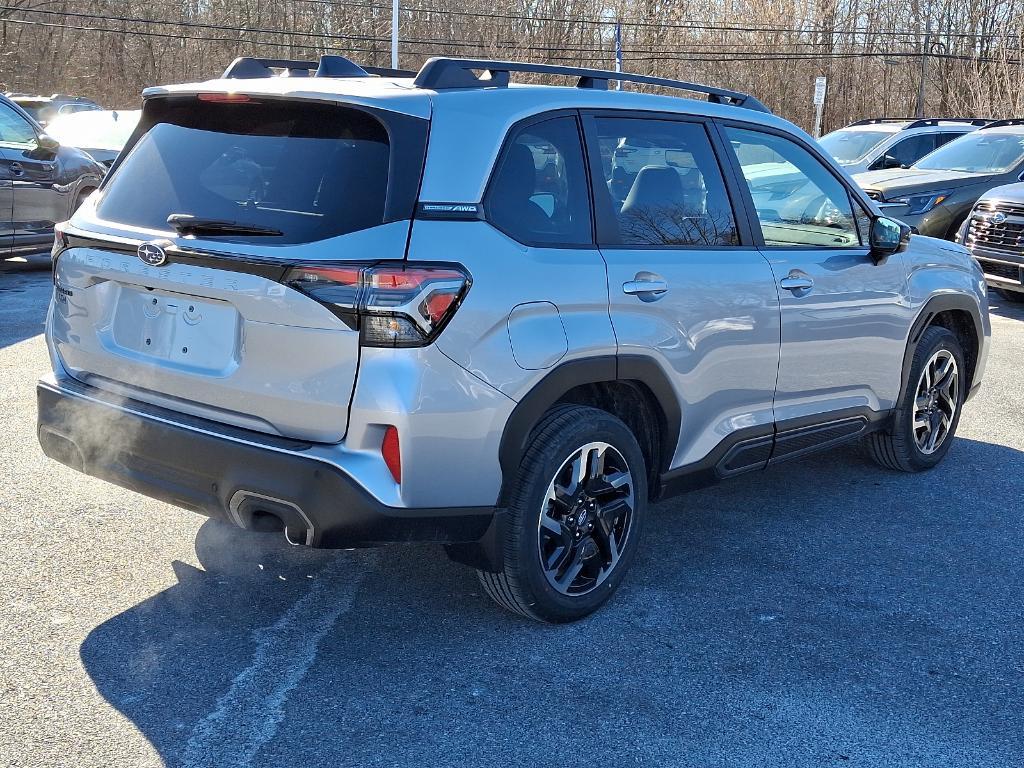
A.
pixel 255 481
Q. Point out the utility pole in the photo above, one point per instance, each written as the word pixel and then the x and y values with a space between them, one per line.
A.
pixel 394 34
pixel 919 112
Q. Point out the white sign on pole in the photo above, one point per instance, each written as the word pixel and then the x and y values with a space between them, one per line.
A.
pixel 819 91
pixel 820 84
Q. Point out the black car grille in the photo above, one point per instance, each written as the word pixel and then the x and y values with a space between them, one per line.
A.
pixel 999 269
pixel 997 227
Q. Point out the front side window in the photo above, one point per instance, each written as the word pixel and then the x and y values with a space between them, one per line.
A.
pixel 539 191
pixel 913 148
pixel 664 183
pixel 978 152
pixel 799 201
pixel 14 129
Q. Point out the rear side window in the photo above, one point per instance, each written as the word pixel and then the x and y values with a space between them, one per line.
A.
pixel 664 182
pixel 538 194
pixel 309 171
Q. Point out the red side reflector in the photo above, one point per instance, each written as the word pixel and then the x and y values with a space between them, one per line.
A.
pixel 392 456
pixel 229 98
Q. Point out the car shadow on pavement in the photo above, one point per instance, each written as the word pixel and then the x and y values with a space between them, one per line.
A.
pixel 820 613
pixel 998 305
pixel 24 299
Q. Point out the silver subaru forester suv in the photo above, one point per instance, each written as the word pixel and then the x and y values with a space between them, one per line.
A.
pixel 362 307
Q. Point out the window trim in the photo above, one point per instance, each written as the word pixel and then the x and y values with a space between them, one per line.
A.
pixel 603 222
pixel 509 138
pixel 858 195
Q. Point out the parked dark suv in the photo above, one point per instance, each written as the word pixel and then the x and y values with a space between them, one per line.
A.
pixel 936 194
pixel 41 182
pixel 43 109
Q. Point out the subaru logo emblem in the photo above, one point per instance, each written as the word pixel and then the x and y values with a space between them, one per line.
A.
pixel 998 218
pixel 152 254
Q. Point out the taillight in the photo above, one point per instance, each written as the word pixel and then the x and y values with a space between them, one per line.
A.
pixel 60 242
pixel 391 305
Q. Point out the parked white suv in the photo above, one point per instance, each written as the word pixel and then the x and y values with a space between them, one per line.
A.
pixel 365 310
pixel 893 142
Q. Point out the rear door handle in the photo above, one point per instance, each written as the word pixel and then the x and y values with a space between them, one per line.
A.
pixel 16 169
pixel 646 286
pixel 797 281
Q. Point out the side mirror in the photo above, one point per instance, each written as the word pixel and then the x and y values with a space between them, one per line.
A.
pixel 47 143
pixel 888 236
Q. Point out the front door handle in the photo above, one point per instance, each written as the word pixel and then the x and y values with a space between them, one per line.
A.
pixel 646 286
pixel 797 281
pixel 17 169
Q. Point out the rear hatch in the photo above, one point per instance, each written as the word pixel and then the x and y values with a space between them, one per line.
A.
pixel 200 316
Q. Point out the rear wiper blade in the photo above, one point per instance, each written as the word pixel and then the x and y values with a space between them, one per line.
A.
pixel 187 224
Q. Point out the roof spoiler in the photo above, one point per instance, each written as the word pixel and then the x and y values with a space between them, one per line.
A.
pixel 252 68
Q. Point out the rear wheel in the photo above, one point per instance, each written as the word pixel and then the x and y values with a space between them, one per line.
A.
pixel 1014 297
pixel 929 411
pixel 575 517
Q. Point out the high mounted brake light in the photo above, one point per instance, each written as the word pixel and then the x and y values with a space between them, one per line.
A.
pixel 391 305
pixel 224 98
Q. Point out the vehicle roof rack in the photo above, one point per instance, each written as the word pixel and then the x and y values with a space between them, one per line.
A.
pixel 441 73
pixel 251 68
pixel 922 122
pixel 1004 123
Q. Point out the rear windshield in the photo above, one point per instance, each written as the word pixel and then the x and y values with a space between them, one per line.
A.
pixel 310 171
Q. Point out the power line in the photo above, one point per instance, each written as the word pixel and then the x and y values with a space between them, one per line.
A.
pixel 700 56
pixel 652 54
pixel 629 22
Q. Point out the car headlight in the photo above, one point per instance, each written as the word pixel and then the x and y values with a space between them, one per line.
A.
pixel 917 204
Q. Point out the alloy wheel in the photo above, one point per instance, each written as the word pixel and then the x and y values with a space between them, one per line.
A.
pixel 586 519
pixel 936 401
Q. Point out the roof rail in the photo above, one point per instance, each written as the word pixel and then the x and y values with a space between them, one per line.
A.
pixel 250 67
pixel 440 73
pixel 1003 123
pixel 878 120
pixel 922 122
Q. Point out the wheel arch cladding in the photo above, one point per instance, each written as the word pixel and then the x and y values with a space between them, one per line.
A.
pixel 633 388
pixel 958 314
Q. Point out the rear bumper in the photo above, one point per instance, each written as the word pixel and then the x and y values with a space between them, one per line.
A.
pixel 244 477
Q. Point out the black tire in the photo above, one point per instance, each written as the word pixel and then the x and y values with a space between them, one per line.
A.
pixel 899 447
pixel 1014 297
pixel 523 585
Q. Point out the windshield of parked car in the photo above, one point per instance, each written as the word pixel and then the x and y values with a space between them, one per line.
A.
pixel 978 152
pixel 309 171
pixel 850 146
pixel 95 130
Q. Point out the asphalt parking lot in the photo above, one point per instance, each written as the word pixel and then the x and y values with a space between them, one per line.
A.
pixel 826 613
